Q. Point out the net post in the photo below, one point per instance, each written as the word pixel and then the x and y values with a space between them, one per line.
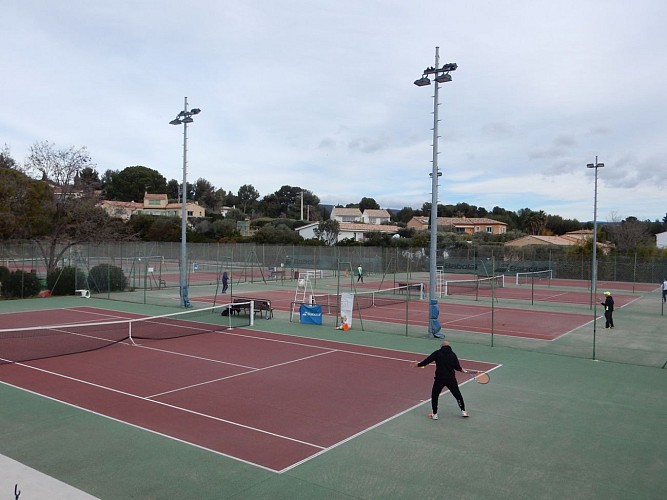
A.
pixel 129 332
pixel 252 312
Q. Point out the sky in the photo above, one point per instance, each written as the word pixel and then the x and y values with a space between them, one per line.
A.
pixel 320 95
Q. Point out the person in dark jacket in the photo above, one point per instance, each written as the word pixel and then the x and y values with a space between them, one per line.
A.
pixel 225 281
pixel 608 310
pixel 446 366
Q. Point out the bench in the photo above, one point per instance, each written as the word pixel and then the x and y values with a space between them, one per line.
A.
pixel 411 286
pixel 83 293
pixel 274 273
pixel 262 306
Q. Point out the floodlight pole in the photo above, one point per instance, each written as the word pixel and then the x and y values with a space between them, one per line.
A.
pixel 441 76
pixel 184 117
pixel 594 263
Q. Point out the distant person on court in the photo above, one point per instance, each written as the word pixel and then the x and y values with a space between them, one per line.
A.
pixel 360 274
pixel 664 290
pixel 446 366
pixel 225 281
pixel 608 310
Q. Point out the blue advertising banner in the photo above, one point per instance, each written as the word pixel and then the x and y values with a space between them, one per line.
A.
pixel 310 315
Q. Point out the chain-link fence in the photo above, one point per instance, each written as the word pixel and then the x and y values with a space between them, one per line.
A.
pixel 149 273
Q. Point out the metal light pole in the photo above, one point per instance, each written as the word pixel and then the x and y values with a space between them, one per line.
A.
pixel 184 117
pixel 441 76
pixel 594 263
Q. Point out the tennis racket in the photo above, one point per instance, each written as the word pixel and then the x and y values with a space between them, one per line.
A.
pixel 480 377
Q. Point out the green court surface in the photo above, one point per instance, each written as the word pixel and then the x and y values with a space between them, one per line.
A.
pixel 547 426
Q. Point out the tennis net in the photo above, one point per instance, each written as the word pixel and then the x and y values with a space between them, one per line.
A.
pixel 374 298
pixel 532 276
pixel 472 286
pixel 32 343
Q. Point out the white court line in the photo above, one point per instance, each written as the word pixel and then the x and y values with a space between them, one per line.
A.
pixel 125 422
pixel 322 449
pixel 465 318
pixel 254 370
pixel 553 296
pixel 147 398
pixel 174 407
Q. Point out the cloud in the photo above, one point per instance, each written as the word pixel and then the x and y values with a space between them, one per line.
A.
pixel 313 94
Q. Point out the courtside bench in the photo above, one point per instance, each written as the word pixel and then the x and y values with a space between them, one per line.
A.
pixel 411 286
pixel 276 274
pixel 262 306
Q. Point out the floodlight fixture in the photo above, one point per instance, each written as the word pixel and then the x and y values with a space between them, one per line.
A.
pixel 423 81
pixel 443 78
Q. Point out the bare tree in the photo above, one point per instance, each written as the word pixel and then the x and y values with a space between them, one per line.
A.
pixel 70 217
pixel 59 166
pixel 628 234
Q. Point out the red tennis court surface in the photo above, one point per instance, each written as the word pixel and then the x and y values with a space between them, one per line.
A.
pixel 530 324
pixel 266 399
pixel 551 295
pixel 514 322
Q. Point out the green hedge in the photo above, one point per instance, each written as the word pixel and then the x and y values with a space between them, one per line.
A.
pixel 21 284
pixel 64 281
pixel 106 278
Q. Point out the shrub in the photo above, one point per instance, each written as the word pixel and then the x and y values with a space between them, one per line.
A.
pixel 4 276
pixel 21 284
pixel 64 281
pixel 106 278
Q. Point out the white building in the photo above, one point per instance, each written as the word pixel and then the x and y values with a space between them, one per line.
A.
pixel 346 214
pixel 376 216
pixel 153 204
pixel 661 240
pixel 352 230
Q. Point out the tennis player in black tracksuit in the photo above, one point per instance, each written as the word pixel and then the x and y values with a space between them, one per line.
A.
pixel 446 366
pixel 608 310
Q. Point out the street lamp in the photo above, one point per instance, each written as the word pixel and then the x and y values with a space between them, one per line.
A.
pixel 441 76
pixel 594 264
pixel 184 117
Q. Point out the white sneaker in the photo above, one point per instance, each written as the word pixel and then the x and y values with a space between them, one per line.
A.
pixel 464 413
pixel 433 416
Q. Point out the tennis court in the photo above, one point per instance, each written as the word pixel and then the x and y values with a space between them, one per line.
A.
pixel 551 295
pixel 507 321
pixel 547 426
pixel 265 399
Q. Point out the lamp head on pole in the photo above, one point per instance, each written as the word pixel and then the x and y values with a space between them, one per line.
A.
pixel 595 165
pixel 423 81
pixel 441 74
pixel 185 117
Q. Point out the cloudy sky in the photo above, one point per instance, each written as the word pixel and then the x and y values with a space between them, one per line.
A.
pixel 320 94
